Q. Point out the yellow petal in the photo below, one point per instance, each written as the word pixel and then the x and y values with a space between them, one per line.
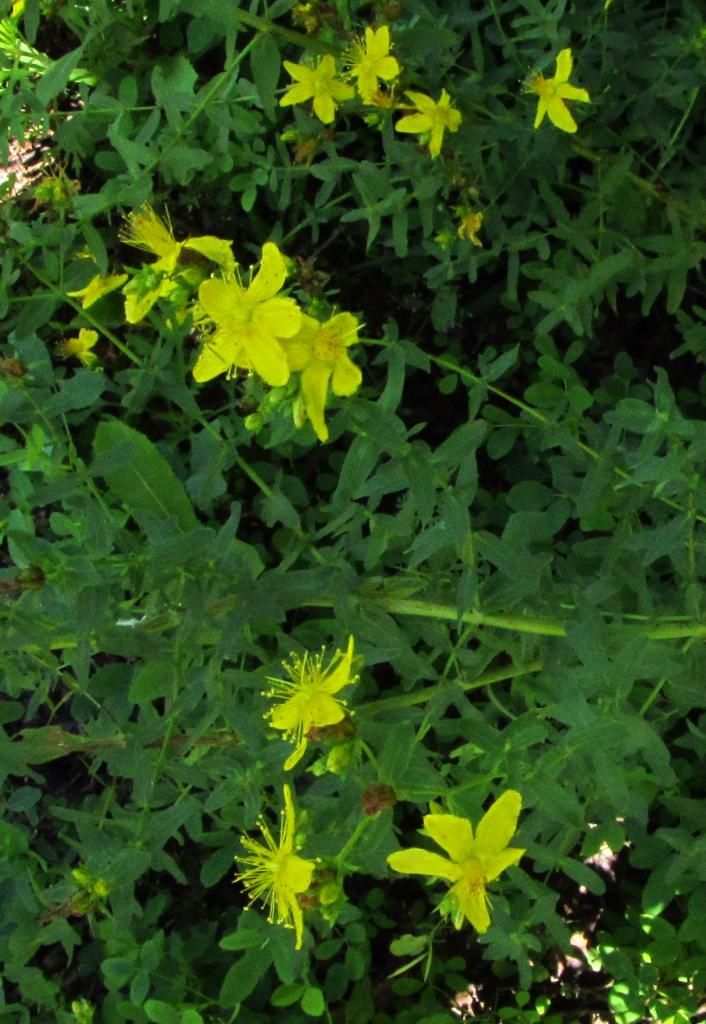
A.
pixel 452 834
pixel 559 115
pixel 217 356
pixel 497 826
pixel 219 298
pixel 496 864
pixel 296 756
pixel 572 92
pixel 422 102
pixel 324 108
pixel 541 111
pixel 286 841
pixel 473 903
pixel 299 72
pixel 298 919
pixel 423 862
pixel 278 317
pixel 314 388
pixel 97 287
pixel 218 250
pixel 564 64
pixel 437 136
pixel 414 123
pixel 339 675
pixel 377 42
pixel 296 873
pixel 267 357
pixel 270 277
pixel 387 68
pixel 299 93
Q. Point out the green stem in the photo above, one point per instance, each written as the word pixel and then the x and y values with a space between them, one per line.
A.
pixel 407 700
pixel 449 613
pixel 340 858
pixel 289 35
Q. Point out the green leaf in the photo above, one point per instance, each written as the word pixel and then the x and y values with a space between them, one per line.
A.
pixel 137 473
pixel 161 1013
pixel 265 62
pixel 55 79
pixel 245 938
pixel 313 1002
pixel 582 875
pixel 243 976
pixel 286 995
pixel 152 680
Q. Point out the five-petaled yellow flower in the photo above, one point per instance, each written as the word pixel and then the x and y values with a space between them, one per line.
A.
pixel 432 118
pixel 80 346
pixel 371 61
pixel 319 351
pixel 276 874
pixel 317 82
pixel 472 861
pixel 307 697
pixel 553 92
pixel 249 323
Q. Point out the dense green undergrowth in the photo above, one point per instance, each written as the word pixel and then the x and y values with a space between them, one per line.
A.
pixel 483 570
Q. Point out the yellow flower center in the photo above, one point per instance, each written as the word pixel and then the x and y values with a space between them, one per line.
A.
pixel 474 875
pixel 545 87
pixel 328 346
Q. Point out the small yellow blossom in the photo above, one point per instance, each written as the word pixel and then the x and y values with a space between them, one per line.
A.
pixel 146 230
pixel 317 83
pixel 470 225
pixel 319 352
pixel 97 287
pixel 554 91
pixel 276 874
pixel 250 323
pixel 80 346
pixel 371 62
pixel 432 118
pixel 472 861
pixel 307 697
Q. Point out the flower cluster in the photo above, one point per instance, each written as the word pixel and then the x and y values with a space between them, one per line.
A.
pixel 245 323
pixel 372 67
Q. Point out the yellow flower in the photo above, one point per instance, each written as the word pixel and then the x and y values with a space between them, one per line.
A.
pixel 472 862
pixel 371 61
pixel 431 117
pixel 319 83
pixel 276 874
pixel 554 91
pixel 80 346
pixel 146 230
pixel 307 699
pixel 97 287
pixel 249 323
pixel 319 351
pixel 470 226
